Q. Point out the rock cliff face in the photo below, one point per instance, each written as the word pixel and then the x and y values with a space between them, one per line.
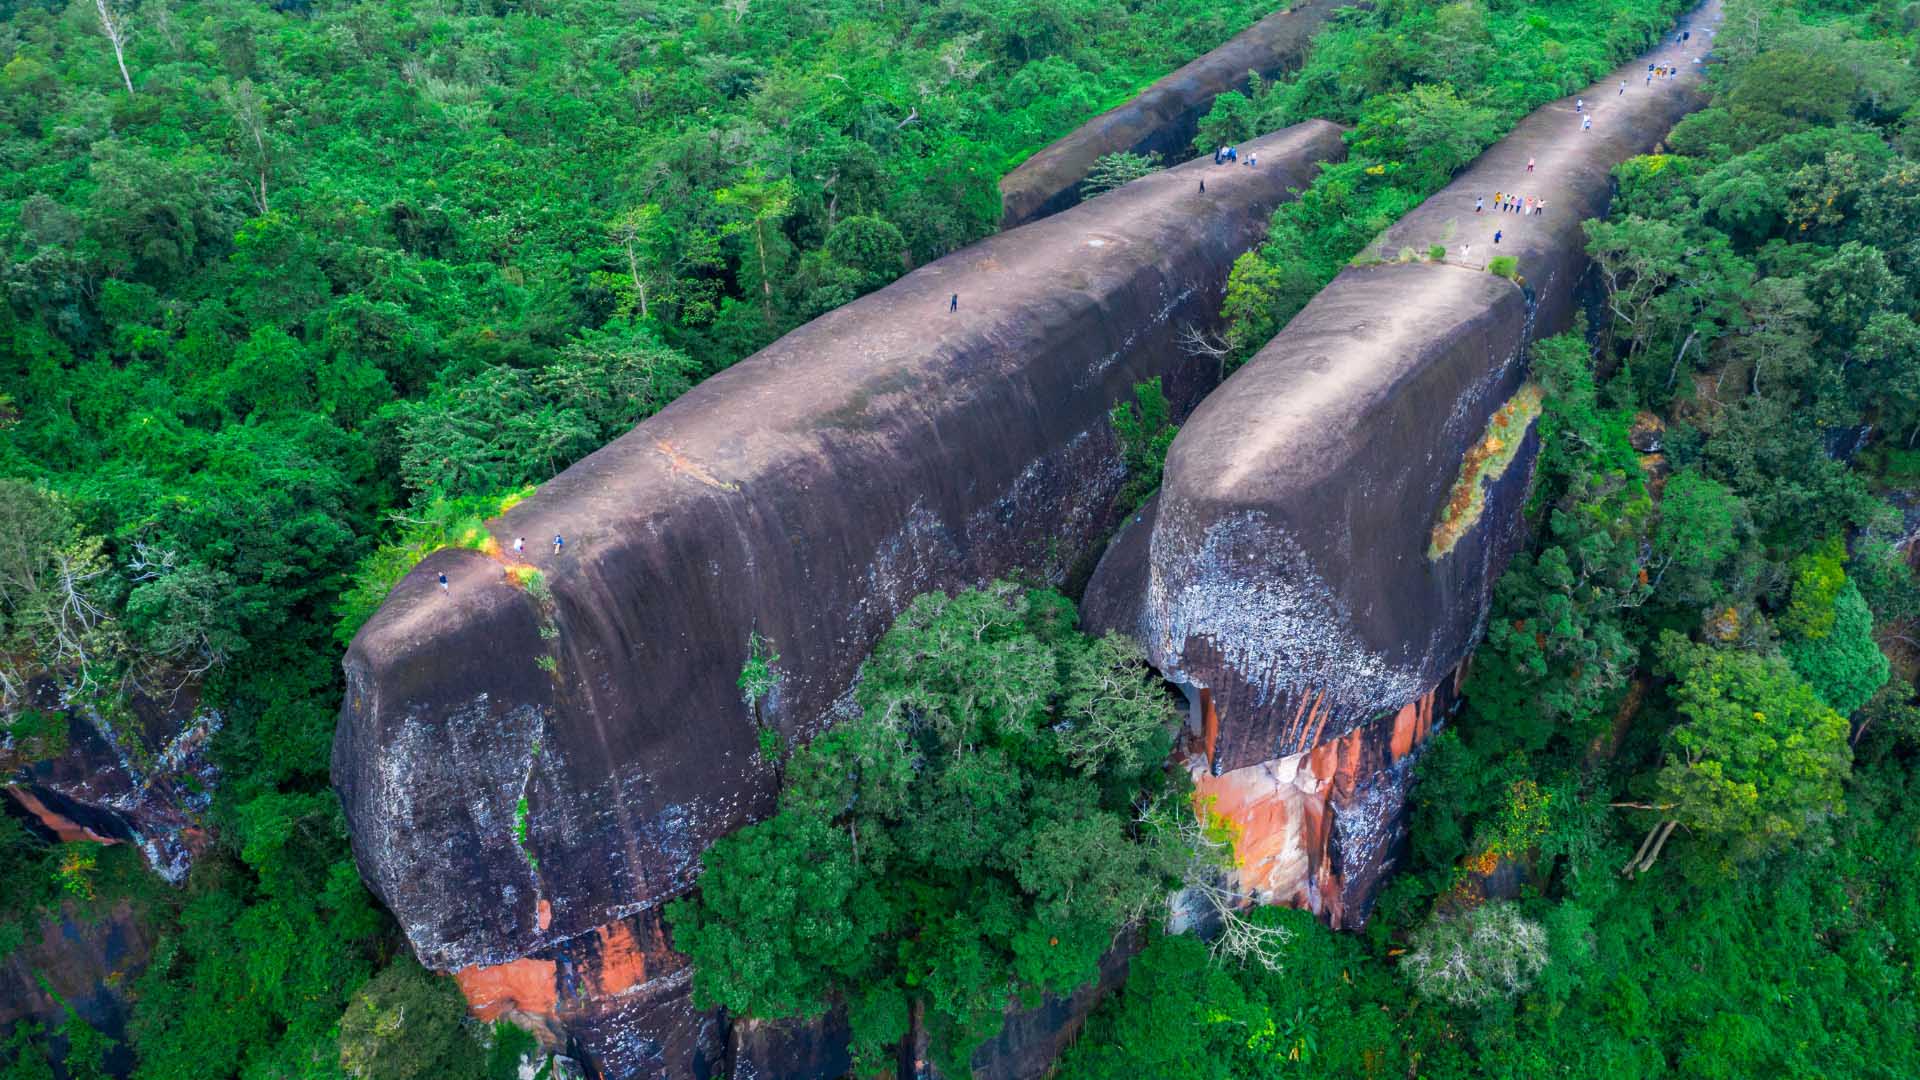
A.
pixel 1164 118
pixel 89 960
pixel 532 761
pixel 142 778
pixel 1289 573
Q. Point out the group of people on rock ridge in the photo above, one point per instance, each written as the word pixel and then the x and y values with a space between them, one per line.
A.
pixel 519 549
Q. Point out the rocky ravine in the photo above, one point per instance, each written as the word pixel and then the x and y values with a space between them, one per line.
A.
pixel 1289 574
pixel 1163 118
pixel 143 776
pixel 532 762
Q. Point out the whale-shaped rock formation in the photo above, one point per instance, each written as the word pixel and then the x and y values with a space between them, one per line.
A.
pixel 1292 574
pixel 1163 118
pixel 532 760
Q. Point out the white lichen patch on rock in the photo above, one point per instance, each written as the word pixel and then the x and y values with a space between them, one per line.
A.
pixel 1253 592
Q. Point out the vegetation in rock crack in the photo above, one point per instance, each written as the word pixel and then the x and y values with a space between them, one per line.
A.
pixel 1145 429
pixel 1485 463
pixel 1112 170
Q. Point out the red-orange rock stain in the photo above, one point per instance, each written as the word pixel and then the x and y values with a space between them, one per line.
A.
pixel 1282 810
pixel 623 963
pixel 523 985
pixel 65 828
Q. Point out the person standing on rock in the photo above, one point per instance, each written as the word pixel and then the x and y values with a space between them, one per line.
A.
pixel 520 545
pixel 1623 87
pixel 1219 154
pixel 1579 104
pixel 1253 161
pixel 954 304
pixel 443 583
pixel 1479 204
pixel 1203 185
pixel 1497 234
pixel 1529 164
pixel 1586 124
pixel 558 543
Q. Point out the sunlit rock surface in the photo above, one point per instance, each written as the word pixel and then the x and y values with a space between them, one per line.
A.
pixel 1164 117
pixel 1283 575
pixel 526 763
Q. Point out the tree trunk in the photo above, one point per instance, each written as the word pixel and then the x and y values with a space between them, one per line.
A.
pixel 1649 852
pixel 766 283
pixel 116 37
pixel 1674 372
pixel 640 287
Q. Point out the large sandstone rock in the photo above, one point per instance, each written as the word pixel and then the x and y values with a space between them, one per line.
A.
pixel 1164 117
pixel 526 765
pixel 1287 574
pixel 143 777
pixel 79 956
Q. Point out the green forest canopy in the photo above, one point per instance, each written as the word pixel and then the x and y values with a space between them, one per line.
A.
pixel 328 277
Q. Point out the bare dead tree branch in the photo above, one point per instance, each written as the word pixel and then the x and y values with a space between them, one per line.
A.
pixel 115 27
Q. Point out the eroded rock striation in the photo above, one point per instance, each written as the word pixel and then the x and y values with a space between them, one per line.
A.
pixel 534 758
pixel 1164 117
pixel 1290 575
pixel 143 776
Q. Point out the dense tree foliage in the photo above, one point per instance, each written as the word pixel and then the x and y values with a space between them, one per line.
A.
pixel 297 293
pixel 980 833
